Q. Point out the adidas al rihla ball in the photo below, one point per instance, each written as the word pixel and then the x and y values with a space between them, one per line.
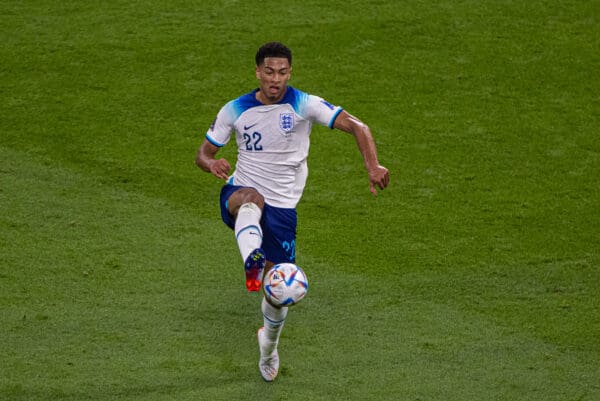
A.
pixel 285 284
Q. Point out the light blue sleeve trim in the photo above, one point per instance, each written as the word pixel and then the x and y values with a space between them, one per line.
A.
pixel 211 140
pixel 332 121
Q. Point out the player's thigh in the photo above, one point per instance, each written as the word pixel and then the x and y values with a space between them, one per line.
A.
pixel 238 196
pixel 279 234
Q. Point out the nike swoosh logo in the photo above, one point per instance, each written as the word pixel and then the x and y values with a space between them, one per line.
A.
pixel 247 127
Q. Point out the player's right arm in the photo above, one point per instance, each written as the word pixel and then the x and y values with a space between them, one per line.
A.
pixel 217 136
pixel 206 160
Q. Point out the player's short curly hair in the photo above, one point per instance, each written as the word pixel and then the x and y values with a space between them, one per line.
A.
pixel 273 49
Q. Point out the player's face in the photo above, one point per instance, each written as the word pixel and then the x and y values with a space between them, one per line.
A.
pixel 273 74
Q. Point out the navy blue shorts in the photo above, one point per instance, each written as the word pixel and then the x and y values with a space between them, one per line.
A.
pixel 278 226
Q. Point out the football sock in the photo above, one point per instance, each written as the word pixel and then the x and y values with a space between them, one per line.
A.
pixel 247 228
pixel 273 321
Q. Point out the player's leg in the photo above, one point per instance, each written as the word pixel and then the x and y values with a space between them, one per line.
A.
pixel 244 206
pixel 280 244
pixel 268 339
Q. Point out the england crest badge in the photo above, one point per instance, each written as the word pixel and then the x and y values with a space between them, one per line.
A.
pixel 286 122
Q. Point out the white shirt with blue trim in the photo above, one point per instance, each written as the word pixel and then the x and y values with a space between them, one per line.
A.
pixel 273 141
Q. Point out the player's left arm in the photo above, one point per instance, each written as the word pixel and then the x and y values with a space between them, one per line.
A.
pixel 378 175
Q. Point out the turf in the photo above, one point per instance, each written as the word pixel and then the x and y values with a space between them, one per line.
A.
pixel 474 276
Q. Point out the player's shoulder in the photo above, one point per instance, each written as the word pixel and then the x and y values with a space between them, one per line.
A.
pixel 308 104
pixel 293 92
pixel 247 100
pixel 239 105
pixel 299 99
pixel 294 95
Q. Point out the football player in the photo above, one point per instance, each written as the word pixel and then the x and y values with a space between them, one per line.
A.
pixel 272 125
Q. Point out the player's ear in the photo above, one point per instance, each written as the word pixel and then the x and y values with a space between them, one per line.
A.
pixel 257 72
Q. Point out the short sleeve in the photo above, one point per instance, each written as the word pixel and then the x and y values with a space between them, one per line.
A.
pixel 321 111
pixel 220 130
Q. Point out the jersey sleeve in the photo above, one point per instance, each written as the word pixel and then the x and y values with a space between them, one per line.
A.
pixel 321 111
pixel 220 130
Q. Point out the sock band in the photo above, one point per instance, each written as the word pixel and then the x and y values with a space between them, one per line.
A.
pixel 250 227
pixel 274 318
pixel 273 315
pixel 247 229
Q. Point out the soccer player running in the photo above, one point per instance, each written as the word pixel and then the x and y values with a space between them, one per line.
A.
pixel 272 125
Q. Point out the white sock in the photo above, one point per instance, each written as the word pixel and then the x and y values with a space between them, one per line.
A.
pixel 273 321
pixel 247 228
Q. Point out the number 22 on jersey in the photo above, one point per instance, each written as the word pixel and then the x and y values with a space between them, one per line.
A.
pixel 253 141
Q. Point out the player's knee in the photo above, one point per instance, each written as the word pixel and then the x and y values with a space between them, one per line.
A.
pixel 243 196
pixel 253 196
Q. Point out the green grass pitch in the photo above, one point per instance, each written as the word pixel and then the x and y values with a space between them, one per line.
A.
pixel 474 277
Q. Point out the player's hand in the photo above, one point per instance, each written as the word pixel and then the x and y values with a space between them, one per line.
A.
pixel 378 177
pixel 220 168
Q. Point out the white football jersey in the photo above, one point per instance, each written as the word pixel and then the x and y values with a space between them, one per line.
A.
pixel 273 141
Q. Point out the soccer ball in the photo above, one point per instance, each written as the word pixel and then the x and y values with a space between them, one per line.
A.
pixel 285 284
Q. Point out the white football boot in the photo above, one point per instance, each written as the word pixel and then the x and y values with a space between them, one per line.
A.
pixel 267 364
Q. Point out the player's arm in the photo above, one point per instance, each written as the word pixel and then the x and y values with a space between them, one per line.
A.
pixel 378 175
pixel 205 159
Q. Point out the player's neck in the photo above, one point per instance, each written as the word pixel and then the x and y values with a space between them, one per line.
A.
pixel 260 96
